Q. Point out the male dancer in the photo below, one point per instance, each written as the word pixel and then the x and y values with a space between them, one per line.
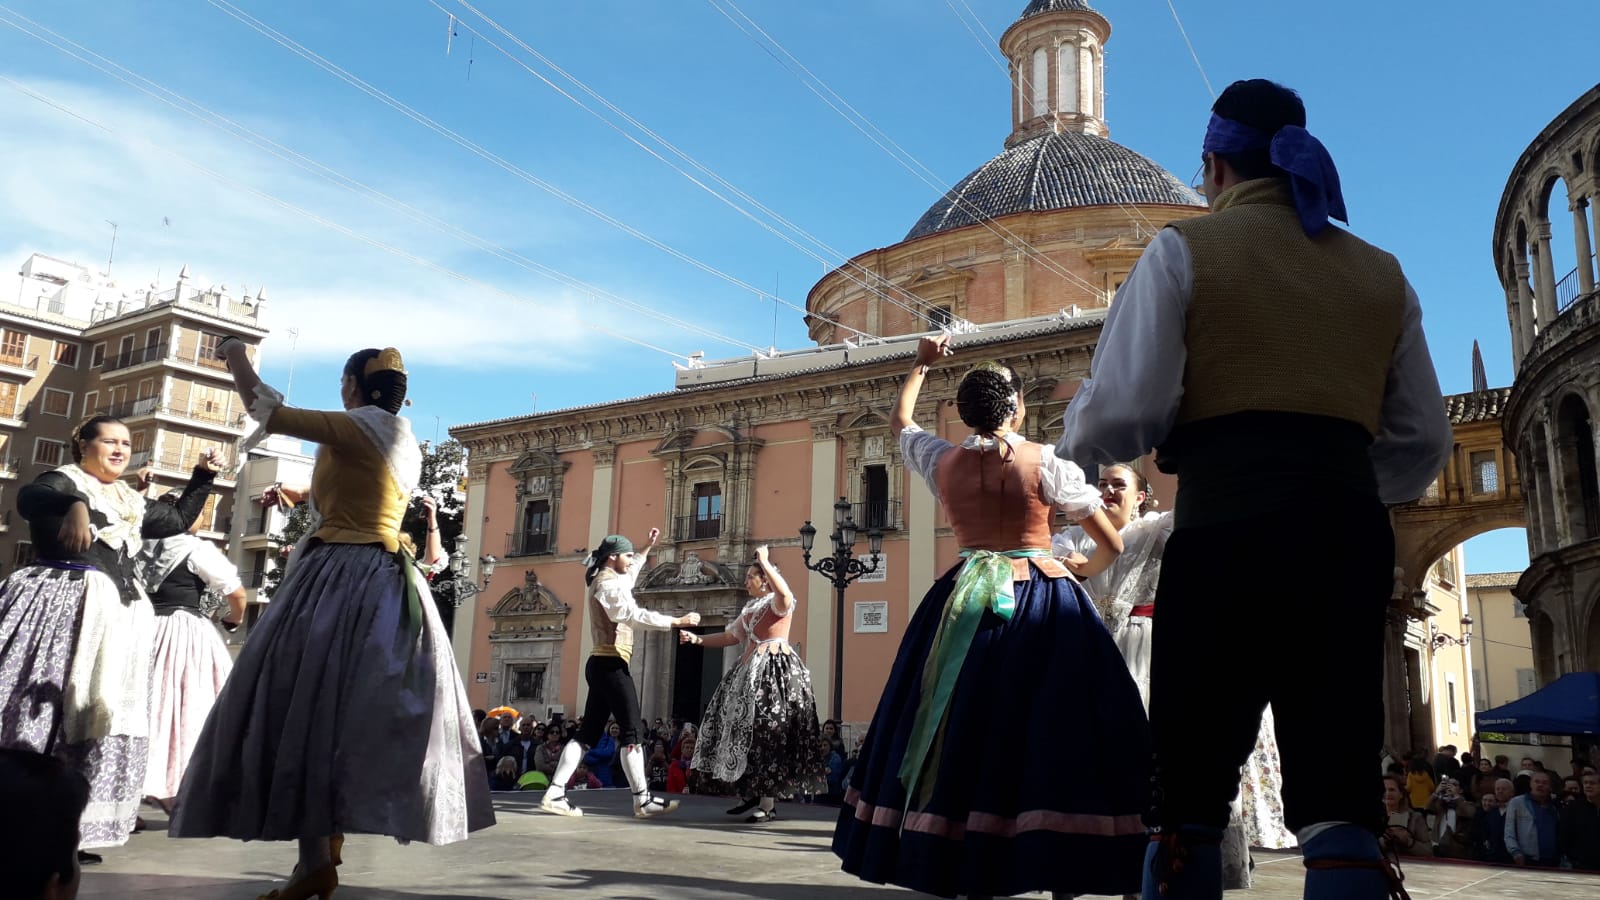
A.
pixel 611 572
pixel 1278 367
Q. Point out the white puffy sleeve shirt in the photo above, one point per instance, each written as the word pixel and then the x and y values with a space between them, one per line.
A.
pixel 1061 481
pixel 615 596
pixel 1129 402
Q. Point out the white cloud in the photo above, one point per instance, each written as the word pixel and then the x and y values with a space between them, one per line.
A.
pixel 63 179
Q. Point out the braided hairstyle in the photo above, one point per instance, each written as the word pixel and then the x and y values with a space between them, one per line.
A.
pixel 988 397
pixel 385 389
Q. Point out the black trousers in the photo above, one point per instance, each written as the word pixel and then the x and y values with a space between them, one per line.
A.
pixel 611 695
pixel 1284 608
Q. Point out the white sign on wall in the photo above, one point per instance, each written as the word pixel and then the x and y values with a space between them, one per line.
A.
pixel 881 575
pixel 872 617
pixel 481 678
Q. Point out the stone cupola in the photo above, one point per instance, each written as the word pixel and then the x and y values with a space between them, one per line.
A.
pixel 1056 51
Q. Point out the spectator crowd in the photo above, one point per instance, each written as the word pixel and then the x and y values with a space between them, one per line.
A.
pixel 520 753
pixel 1478 809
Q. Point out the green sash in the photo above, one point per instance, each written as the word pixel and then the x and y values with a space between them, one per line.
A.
pixel 985 583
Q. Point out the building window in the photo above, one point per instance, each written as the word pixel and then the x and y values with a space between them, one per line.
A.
pixel 1479 698
pixel 48 452
pixel 1039 84
pixel 940 317
pixel 10 395
pixel 1450 698
pixel 89 401
pixel 1519 610
pixel 140 440
pixel 13 347
pixel 527 683
pixel 1485 473
pixel 264 523
pixel 1527 682
pixel 875 498
pixel 23 555
pixel 208 345
pixel 1432 493
pixel 97 356
pixel 535 534
pixel 707 510
pixel 66 354
pixel 56 403
pixel 1444 571
pixel 152 338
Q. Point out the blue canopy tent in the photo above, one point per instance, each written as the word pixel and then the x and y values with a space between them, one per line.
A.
pixel 1568 705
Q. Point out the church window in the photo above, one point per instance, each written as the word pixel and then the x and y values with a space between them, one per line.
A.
pixel 707 519
pixel 1485 473
pixel 1039 83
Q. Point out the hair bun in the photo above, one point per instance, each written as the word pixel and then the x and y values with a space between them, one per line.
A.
pixel 387 360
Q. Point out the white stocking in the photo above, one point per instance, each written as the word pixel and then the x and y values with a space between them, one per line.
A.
pixel 633 767
pixel 566 766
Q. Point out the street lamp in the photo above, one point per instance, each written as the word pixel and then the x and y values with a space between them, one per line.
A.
pixel 461 584
pixel 841 569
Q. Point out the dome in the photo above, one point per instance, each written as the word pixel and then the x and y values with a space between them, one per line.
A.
pixel 1054 171
pixel 1040 7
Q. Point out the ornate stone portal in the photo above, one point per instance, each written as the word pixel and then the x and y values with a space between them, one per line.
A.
pixel 525 647
pixel 716 592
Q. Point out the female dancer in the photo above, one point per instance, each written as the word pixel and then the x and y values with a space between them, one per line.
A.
pixel 1006 643
pixel 76 630
pixel 288 752
pixel 613 615
pixel 189 661
pixel 759 737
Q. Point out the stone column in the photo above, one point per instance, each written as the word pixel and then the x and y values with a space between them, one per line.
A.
pixel 1545 288
pixel 605 460
pixel 921 515
pixel 1594 223
pixel 1016 299
pixel 1396 715
pixel 1580 234
pixel 819 599
pixel 1532 314
pixel 1556 493
pixel 467 618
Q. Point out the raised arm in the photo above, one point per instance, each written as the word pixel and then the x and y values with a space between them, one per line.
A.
pixel 165 520
pixel 434 551
pixel 245 380
pixel 783 599
pixel 929 351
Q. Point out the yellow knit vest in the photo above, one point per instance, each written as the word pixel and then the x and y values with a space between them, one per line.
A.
pixel 1282 322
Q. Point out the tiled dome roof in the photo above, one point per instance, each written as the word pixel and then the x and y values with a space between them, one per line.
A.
pixel 1054 171
pixel 1039 7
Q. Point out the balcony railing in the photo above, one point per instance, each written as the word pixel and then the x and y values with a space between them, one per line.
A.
pixel 31 363
pixel 1567 287
pixel 528 543
pixel 5 520
pixel 152 405
pixel 135 357
pixel 881 514
pixel 696 528
pixel 180 462
pixel 253 578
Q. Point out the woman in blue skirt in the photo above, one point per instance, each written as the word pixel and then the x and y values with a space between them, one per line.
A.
pixel 1005 671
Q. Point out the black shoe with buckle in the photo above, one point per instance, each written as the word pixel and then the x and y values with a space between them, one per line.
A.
pixel 744 807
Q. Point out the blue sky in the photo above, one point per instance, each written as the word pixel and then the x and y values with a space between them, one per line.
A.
pixel 1424 106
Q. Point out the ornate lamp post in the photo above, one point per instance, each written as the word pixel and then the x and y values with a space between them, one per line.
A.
pixel 841 569
pixel 461 584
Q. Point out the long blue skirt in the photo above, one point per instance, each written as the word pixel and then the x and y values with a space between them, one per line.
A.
pixel 1042 769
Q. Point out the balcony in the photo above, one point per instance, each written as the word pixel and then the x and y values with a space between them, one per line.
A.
pixel 696 528
pixel 529 543
pixel 134 358
pixel 253 579
pixel 19 366
pixel 181 463
pixel 1567 288
pixel 205 414
pixel 5 521
pixel 883 515
pixel 10 467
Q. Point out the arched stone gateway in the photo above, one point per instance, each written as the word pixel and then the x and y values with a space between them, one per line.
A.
pixel 1480 490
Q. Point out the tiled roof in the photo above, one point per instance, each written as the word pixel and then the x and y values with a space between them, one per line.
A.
pixel 1479 406
pixel 1055 171
pixel 1040 7
pixel 1493 580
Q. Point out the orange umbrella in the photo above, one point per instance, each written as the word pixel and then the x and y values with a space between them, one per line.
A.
pixel 499 711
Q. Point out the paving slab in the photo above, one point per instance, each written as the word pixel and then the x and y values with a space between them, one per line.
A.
pixel 697 853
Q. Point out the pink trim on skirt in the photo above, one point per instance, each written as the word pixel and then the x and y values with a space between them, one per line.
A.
pixel 187 668
pixel 998 826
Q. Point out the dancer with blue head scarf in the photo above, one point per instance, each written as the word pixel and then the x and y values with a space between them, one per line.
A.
pixel 1277 365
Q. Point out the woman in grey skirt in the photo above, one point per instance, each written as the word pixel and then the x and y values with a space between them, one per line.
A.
pixel 76 629
pixel 287 753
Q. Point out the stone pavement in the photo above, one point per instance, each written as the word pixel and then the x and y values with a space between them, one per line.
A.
pixel 697 853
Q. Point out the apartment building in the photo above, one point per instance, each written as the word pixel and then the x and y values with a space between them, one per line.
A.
pixel 74 343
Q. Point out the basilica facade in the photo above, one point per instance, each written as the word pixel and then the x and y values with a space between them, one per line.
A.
pixel 1019 260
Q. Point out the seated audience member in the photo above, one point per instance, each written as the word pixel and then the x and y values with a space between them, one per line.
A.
pixel 505 775
pixel 583 779
pixel 39 833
